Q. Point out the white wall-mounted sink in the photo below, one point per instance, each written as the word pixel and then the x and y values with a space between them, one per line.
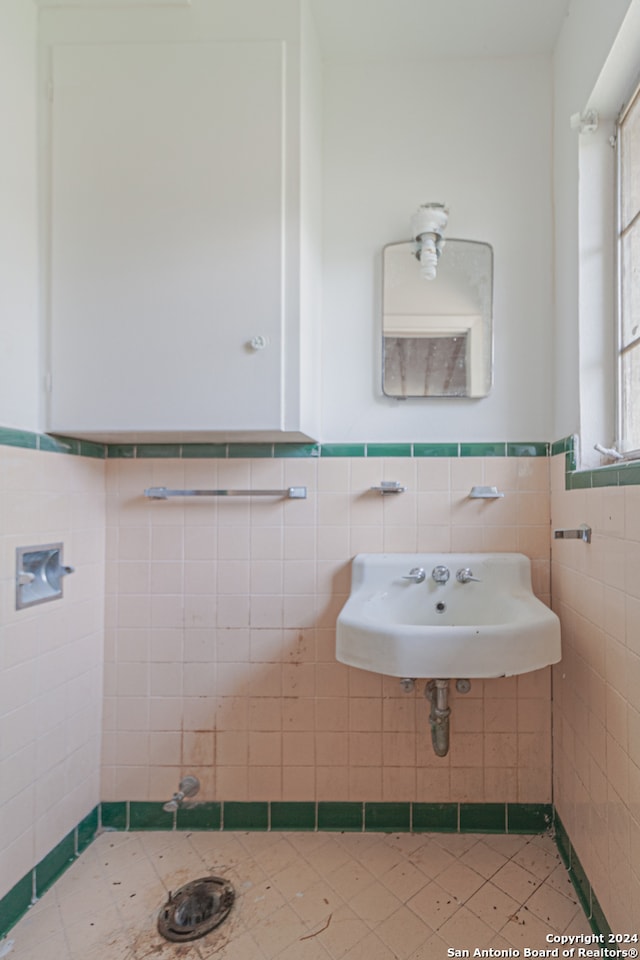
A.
pixel 490 627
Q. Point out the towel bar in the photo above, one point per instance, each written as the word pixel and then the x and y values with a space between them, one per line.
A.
pixel 162 493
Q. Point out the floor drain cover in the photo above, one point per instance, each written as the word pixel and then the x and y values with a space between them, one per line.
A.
pixel 195 909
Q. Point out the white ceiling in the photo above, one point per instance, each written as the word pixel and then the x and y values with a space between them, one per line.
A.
pixel 413 29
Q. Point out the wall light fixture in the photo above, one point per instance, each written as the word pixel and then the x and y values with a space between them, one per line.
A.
pixel 427 228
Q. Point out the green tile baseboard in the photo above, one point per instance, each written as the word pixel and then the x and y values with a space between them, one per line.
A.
pixel 237 815
pixel 581 884
pixel 483 817
pixel 435 817
pixel 37 881
pixel 387 817
pixel 200 816
pixel 298 815
pixel 359 816
pixel 16 903
pixel 336 815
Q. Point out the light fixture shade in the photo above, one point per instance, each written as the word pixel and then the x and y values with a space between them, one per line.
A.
pixel 427 226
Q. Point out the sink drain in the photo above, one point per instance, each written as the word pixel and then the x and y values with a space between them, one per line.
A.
pixel 195 909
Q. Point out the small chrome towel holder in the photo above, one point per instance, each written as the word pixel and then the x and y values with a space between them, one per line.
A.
pixel 163 493
pixel 485 493
pixel 389 486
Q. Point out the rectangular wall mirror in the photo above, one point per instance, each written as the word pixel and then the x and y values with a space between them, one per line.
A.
pixel 437 334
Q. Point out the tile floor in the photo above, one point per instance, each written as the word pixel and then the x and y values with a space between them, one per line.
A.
pixel 307 896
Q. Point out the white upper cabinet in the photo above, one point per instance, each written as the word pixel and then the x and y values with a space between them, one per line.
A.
pixel 175 291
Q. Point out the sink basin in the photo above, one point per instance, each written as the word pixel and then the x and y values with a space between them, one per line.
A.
pixel 410 628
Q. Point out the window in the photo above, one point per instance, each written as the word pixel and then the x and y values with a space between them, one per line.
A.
pixel 628 140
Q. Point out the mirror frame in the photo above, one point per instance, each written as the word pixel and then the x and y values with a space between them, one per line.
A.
pixel 477 326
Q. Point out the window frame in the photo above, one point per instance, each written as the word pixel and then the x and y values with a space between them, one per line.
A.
pixel 622 230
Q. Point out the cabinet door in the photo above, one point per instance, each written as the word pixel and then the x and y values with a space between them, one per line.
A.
pixel 167 237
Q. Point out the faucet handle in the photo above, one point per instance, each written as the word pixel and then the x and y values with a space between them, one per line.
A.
pixel 440 573
pixel 417 574
pixel 465 575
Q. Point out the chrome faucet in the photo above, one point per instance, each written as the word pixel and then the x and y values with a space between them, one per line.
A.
pixel 416 574
pixel 188 787
pixel 440 574
pixel 465 574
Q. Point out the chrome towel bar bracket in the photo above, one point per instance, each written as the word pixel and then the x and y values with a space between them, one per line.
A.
pixel 583 532
pixel 162 493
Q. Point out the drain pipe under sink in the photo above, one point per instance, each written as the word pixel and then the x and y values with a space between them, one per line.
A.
pixel 437 692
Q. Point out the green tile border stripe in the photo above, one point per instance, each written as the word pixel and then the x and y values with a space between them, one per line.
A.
pixel 436 449
pixel 229 451
pixel 18 438
pixel 389 449
pixel 52 444
pixel 483 449
pixel 224 451
pixel 616 475
pixel 565 445
pixel 612 475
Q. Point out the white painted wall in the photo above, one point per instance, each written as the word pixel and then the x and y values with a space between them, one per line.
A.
pixel 482 143
pixel 19 346
pixel 475 134
pixel 587 73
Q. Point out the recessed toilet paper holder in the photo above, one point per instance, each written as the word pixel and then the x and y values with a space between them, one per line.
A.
pixel 39 573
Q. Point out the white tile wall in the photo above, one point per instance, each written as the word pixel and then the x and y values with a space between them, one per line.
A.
pixel 50 656
pixel 219 648
pixel 221 645
pixel 596 689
